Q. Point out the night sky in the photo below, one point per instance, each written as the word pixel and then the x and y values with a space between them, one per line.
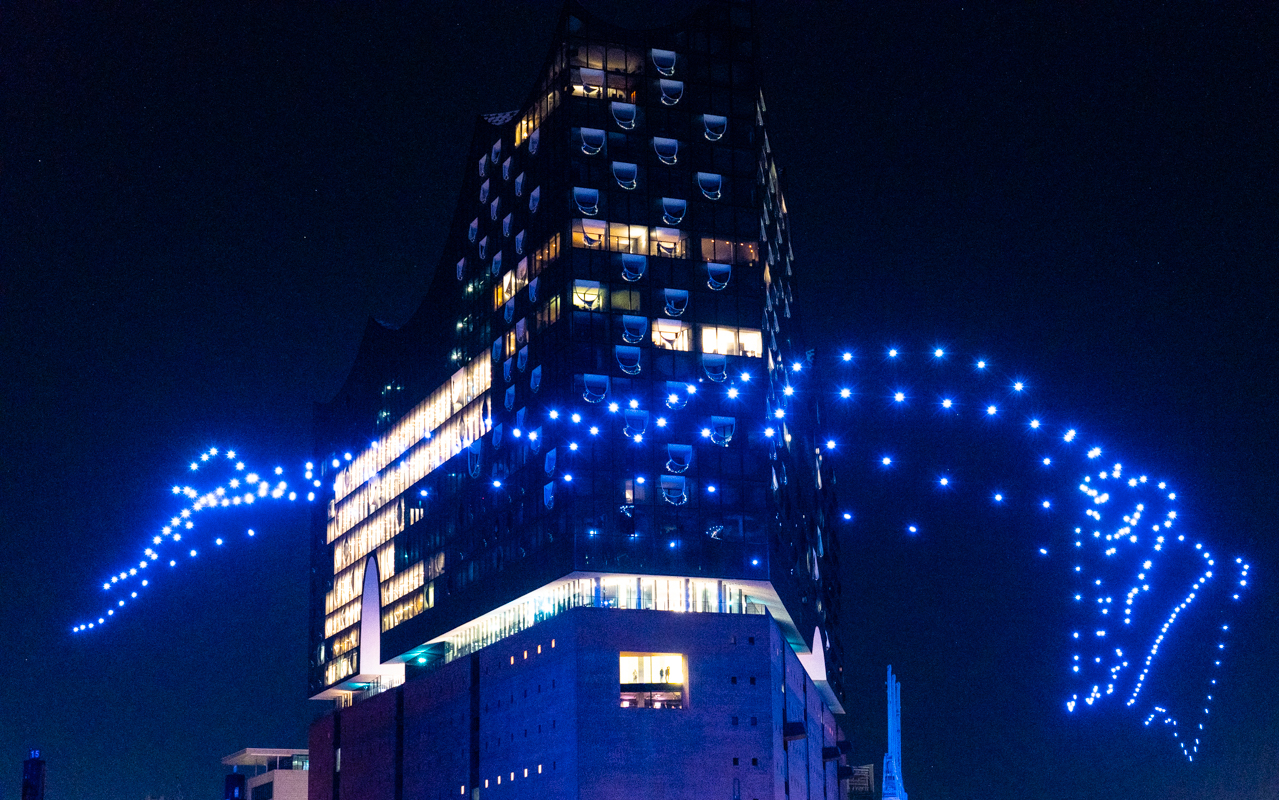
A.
pixel 204 203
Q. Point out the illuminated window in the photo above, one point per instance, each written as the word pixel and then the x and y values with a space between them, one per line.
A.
pixel 732 341
pixel 668 242
pixel 589 233
pixel 672 334
pixel 652 680
pixel 730 252
pixel 588 295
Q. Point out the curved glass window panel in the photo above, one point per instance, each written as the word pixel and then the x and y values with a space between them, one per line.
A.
pixel 595 388
pixel 589 233
pixel 624 115
pixel 592 141
pixel 634 329
pixel 473 230
pixel 506 224
pixel 636 422
pixel 519 243
pixel 667 150
pixel 676 301
pixel 535 440
pixel 461 268
pixel 497 265
pixel 714 126
pixel 534 139
pixel 534 197
pixel 519 418
pixel 676 395
pixel 664 60
pixel 532 290
pixel 484 166
pixel 521 359
pixel 718 276
pixel 670 334
pixel 672 91
pixel 508 311
pixel 506 169
pixel 711 184
pixel 519 185
pixel 548 494
pixel 496 152
pixel 484 192
pixel 588 200
pixel 674 489
pixel 722 429
pixel 628 358
pixel 633 266
pixel 495 208
pixel 592 84
pixel 668 242
pixel 626 174
pixel 715 365
pixel 673 210
pixel 588 295
pixel 548 463
pixel 473 460
pixel 510 397
pixel 506 370
pixel 678 457
pixel 535 379
pixel 484 247
pixel 498 431
pixel 497 350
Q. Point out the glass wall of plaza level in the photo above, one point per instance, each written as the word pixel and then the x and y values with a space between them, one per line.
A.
pixel 596 382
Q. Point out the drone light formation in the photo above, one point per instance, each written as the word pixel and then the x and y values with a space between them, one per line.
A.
pixel 1137 571
pixel 243 487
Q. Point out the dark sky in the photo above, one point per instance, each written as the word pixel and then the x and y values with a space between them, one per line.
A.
pixel 203 203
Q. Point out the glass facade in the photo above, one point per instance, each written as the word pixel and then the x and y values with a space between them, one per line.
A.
pixel 596 381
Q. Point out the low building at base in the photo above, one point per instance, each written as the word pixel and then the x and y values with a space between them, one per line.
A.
pixel 602 703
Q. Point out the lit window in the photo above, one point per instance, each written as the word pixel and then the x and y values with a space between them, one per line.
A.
pixel 588 82
pixel 668 242
pixel 588 295
pixel 589 233
pixel 670 334
pixel 732 341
